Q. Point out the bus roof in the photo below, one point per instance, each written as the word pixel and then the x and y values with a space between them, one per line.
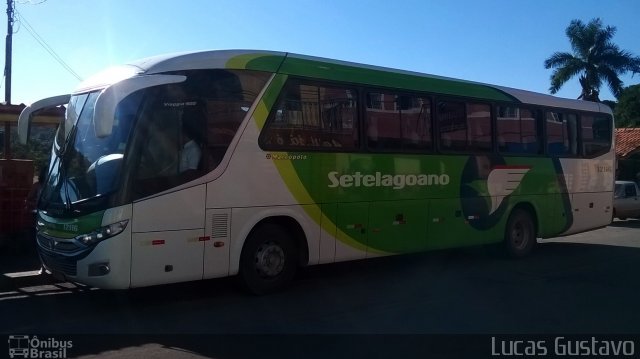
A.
pixel 334 70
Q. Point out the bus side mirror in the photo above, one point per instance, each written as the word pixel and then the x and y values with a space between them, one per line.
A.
pixel 106 103
pixel 26 116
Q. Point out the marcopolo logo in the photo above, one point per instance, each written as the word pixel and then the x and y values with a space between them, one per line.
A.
pixel 379 179
pixel 24 346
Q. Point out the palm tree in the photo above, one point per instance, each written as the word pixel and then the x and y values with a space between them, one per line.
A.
pixel 595 59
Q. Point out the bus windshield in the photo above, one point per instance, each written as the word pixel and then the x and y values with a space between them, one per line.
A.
pixel 85 168
pixel 153 131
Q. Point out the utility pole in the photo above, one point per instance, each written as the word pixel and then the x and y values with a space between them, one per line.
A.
pixel 7 68
pixel 7 78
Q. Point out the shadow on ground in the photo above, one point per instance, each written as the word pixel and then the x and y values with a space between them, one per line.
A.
pixel 628 223
pixel 567 288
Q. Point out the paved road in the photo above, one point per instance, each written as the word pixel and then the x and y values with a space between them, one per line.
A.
pixel 582 284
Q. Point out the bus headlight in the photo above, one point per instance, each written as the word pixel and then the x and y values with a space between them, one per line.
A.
pixel 103 233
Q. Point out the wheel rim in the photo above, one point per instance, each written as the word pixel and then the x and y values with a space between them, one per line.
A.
pixel 269 260
pixel 520 235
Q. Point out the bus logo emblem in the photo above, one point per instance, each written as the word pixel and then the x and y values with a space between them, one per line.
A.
pixel 502 181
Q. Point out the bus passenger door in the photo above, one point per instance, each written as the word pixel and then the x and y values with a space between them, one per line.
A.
pixel 168 151
pixel 168 238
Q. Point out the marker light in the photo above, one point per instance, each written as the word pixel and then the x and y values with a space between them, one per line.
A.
pixel 103 233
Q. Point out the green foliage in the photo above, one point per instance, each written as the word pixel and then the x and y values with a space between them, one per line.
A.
pixel 39 147
pixel 594 58
pixel 612 104
pixel 627 111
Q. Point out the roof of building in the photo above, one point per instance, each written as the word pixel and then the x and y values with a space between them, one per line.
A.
pixel 11 109
pixel 627 141
pixel 10 113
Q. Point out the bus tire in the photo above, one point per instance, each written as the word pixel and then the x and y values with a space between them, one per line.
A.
pixel 268 260
pixel 520 234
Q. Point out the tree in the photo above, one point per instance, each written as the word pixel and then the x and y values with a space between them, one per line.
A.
pixel 627 111
pixel 611 104
pixel 595 59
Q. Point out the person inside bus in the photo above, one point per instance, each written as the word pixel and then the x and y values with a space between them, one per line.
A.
pixel 190 154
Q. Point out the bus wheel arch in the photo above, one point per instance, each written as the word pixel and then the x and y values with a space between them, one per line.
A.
pixel 521 231
pixel 273 250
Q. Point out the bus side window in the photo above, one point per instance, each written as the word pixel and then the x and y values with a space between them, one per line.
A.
pixel 193 139
pixel 172 145
pixel 479 126
pixel 312 117
pixel 596 135
pixel 517 130
pixel 464 127
pixel 398 122
pixel 562 133
pixel 452 126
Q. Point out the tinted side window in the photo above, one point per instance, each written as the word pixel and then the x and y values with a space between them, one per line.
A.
pixel 561 134
pixel 184 129
pixel 227 97
pixel 398 122
pixel 464 126
pixel 171 140
pixel 516 128
pixel 630 190
pixel 596 135
pixel 479 122
pixel 309 116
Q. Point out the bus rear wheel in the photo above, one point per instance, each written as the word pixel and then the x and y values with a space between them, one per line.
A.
pixel 268 261
pixel 520 234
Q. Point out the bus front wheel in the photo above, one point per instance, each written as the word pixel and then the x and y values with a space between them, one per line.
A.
pixel 268 261
pixel 520 234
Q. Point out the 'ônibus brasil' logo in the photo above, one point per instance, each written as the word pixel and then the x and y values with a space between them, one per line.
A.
pixel 379 179
pixel 25 346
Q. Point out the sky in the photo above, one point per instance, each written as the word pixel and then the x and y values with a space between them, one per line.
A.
pixel 501 42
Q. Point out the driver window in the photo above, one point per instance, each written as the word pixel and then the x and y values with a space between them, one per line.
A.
pixel 185 129
pixel 171 151
pixel 160 155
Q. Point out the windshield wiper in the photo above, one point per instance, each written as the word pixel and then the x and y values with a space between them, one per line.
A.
pixel 62 168
pixel 100 196
pixel 65 184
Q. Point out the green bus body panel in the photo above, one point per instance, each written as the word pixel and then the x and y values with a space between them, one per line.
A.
pixel 70 227
pixel 396 203
pixel 268 100
pixel 378 77
pixel 257 62
pixel 398 226
pixel 352 73
pixel 352 221
pixel 414 217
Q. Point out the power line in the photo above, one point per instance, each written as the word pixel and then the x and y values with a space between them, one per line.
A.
pixel 46 46
pixel 30 2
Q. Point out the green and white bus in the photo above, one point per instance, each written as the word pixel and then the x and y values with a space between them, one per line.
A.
pixel 253 163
